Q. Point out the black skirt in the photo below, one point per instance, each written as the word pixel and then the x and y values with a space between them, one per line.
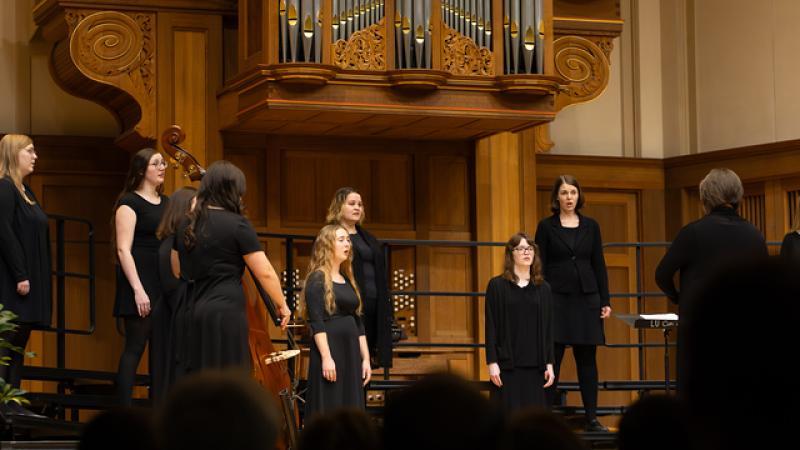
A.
pixel 343 339
pixel 522 387
pixel 577 319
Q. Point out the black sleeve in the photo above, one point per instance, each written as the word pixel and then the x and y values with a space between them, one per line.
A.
pixel 676 258
pixel 10 247
pixel 786 251
pixel 541 239
pixel 314 295
pixel 599 266
pixel 360 324
pixel 492 297
pixel 246 238
pixel 547 321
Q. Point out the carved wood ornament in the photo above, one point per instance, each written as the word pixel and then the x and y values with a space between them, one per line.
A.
pixel 584 65
pixel 118 49
pixel 364 50
pixel 462 56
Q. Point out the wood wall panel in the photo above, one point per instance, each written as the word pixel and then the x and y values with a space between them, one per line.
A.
pixel 254 166
pixel 449 191
pixel 451 318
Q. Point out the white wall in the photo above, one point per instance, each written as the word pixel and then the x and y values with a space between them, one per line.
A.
pixel 32 102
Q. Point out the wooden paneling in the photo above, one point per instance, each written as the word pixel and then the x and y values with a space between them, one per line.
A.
pixel 253 164
pixel 69 171
pixel 451 318
pixel 449 194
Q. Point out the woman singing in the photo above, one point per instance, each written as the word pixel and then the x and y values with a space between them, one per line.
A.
pixel 571 250
pixel 339 365
pixel 137 212
pixel 24 254
pixel 214 244
pixel 519 329
pixel 369 271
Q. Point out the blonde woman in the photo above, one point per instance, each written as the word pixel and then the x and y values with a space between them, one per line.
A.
pixel 24 250
pixel 339 365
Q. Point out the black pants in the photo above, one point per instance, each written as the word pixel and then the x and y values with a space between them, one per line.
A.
pixel 586 363
pixel 137 333
pixel 12 373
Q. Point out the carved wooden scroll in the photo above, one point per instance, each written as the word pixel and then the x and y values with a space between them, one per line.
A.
pixel 364 50
pixel 462 56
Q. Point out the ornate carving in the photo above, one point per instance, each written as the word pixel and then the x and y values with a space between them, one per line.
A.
pixel 584 65
pixel 365 50
pixel 118 49
pixel 462 56
pixel 541 138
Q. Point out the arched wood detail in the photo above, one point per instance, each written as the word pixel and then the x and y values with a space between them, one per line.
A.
pixel 462 56
pixel 109 57
pixel 585 66
pixel 365 50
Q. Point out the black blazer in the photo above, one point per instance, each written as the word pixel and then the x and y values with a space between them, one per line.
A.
pixel 384 308
pixel 701 248
pixel 568 269
pixel 498 334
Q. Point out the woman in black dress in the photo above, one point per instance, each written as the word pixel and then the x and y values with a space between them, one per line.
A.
pixel 369 271
pixel 339 366
pixel 172 287
pixel 24 253
pixel 214 244
pixel 519 329
pixel 137 213
pixel 571 250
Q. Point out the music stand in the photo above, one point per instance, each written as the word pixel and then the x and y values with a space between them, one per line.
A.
pixel 637 321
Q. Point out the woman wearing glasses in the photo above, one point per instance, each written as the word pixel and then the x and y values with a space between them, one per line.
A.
pixel 572 256
pixel 24 255
pixel 137 213
pixel 519 329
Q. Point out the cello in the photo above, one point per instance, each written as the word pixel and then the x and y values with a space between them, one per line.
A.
pixel 269 367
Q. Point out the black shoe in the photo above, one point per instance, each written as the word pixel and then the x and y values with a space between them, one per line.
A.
pixel 595 426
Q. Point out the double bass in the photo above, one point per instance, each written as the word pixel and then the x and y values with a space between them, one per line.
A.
pixel 269 367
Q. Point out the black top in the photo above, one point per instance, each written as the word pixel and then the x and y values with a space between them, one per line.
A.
pixel 384 310
pixel 790 248
pixel 24 255
pixel 703 247
pixel 144 250
pixel 573 265
pixel 519 324
pixel 344 297
pixel 366 255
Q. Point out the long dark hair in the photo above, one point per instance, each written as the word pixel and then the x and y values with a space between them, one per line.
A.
pixel 555 206
pixel 508 265
pixel 134 178
pixel 179 205
pixel 223 186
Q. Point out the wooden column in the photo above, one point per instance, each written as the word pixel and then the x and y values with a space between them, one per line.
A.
pixel 189 75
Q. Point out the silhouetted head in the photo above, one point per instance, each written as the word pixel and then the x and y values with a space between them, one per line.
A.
pixel 119 429
pixel 540 429
pixel 345 429
pixel 654 422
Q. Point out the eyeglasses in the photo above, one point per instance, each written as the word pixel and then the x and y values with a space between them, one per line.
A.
pixel 161 163
pixel 523 249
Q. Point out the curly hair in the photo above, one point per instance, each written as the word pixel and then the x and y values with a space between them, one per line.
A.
pixel 322 261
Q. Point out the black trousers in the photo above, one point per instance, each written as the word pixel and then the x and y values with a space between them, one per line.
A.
pixel 12 373
pixel 586 363
pixel 137 334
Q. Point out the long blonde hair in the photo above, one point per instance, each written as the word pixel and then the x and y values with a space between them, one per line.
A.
pixel 322 261
pixel 10 147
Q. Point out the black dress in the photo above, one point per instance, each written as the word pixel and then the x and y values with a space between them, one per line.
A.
pixel 573 264
pixel 519 338
pixel 24 255
pixel 342 329
pixel 172 318
pixel 369 271
pixel 217 330
pixel 144 250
